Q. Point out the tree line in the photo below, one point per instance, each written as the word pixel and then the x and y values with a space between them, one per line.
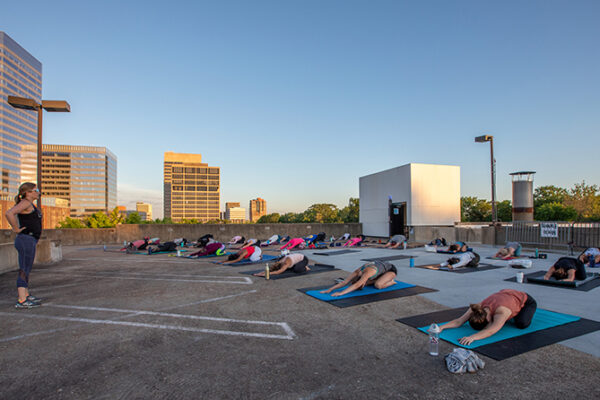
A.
pixel 323 213
pixel 551 203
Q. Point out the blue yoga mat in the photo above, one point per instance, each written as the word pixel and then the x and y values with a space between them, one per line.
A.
pixel 542 319
pixel 264 258
pixel 365 291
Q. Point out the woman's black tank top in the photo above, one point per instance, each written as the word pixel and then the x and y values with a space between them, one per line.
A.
pixel 32 223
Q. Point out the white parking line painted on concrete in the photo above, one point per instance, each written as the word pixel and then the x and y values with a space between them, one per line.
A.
pixel 171 260
pixel 284 326
pixel 167 327
pixel 160 274
pixel 241 280
pixel 208 300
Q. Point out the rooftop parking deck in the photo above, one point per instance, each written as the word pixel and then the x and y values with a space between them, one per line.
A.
pixel 135 326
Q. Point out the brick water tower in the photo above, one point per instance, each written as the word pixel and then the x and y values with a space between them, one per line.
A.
pixel 522 195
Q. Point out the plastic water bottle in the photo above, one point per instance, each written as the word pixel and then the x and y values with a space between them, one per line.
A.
pixel 267 272
pixel 404 245
pixel 412 262
pixel 178 253
pixel 536 253
pixel 434 338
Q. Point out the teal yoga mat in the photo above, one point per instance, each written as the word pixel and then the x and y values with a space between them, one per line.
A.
pixel 365 291
pixel 542 319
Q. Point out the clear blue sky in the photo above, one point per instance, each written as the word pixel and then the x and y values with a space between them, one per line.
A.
pixel 295 100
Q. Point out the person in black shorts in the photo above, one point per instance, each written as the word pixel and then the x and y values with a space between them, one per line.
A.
pixel 567 269
pixel 26 221
pixel 295 262
pixel 381 274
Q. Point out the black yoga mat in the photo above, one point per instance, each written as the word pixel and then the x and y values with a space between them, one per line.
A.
pixel 538 278
pixel 514 346
pixel 314 269
pixel 389 258
pixel 334 253
pixel 356 301
pixel 465 270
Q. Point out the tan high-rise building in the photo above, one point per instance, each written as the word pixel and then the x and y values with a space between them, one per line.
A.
pixel 141 207
pixel 191 188
pixel 237 215
pixel 231 204
pixel 258 208
pixel 84 175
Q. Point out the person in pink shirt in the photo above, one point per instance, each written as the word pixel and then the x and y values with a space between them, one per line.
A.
pixel 354 241
pixel 293 243
pixel 490 315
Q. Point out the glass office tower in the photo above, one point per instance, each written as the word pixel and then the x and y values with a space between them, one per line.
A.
pixel 20 75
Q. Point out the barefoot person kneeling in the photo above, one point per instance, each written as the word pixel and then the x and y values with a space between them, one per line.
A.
pixel 489 316
pixel 381 274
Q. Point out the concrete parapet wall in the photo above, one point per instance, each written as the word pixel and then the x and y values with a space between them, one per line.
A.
pixel 47 252
pixel 220 232
pixel 428 233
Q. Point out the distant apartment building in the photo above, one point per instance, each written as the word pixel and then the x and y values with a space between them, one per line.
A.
pixel 145 208
pixel 53 210
pixel 235 214
pixel 258 208
pixel 191 188
pixel 20 75
pixel 86 176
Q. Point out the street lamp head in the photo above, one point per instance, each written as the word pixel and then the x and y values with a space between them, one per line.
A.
pixel 484 138
pixel 56 106
pixel 23 103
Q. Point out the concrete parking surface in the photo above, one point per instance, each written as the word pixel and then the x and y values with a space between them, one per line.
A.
pixel 117 326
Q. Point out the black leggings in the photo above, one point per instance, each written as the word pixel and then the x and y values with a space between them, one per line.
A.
pixel 523 318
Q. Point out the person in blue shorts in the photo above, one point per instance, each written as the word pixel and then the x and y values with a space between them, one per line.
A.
pixel 380 274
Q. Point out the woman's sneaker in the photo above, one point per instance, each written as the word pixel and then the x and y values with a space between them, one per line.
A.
pixel 26 304
pixel 34 299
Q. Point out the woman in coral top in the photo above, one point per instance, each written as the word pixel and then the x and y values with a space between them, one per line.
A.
pixel 489 316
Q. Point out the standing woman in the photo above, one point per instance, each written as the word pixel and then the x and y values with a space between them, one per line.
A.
pixel 26 221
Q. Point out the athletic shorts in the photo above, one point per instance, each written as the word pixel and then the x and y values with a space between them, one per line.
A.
pixel 300 266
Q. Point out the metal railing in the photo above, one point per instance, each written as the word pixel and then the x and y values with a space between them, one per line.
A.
pixel 569 234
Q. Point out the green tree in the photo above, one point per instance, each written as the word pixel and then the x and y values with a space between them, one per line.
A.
pixel 351 211
pixel 290 218
pixel 584 199
pixel 116 217
pixel 555 212
pixel 69 222
pixel 99 220
pixel 548 194
pixel 322 213
pixel 133 218
pixel 504 210
pixel 473 209
pixel 269 219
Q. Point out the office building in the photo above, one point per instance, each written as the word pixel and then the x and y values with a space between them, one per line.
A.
pixel 191 188
pixel 258 208
pixel 230 204
pixel 54 211
pixel 84 175
pixel 236 215
pixel 20 75
pixel 145 208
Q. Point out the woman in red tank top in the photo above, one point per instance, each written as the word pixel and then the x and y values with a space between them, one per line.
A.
pixel 489 316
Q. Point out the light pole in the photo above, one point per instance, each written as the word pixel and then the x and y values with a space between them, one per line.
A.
pixel 483 139
pixel 48 105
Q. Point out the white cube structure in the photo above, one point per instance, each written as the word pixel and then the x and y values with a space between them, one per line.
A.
pixel 393 200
